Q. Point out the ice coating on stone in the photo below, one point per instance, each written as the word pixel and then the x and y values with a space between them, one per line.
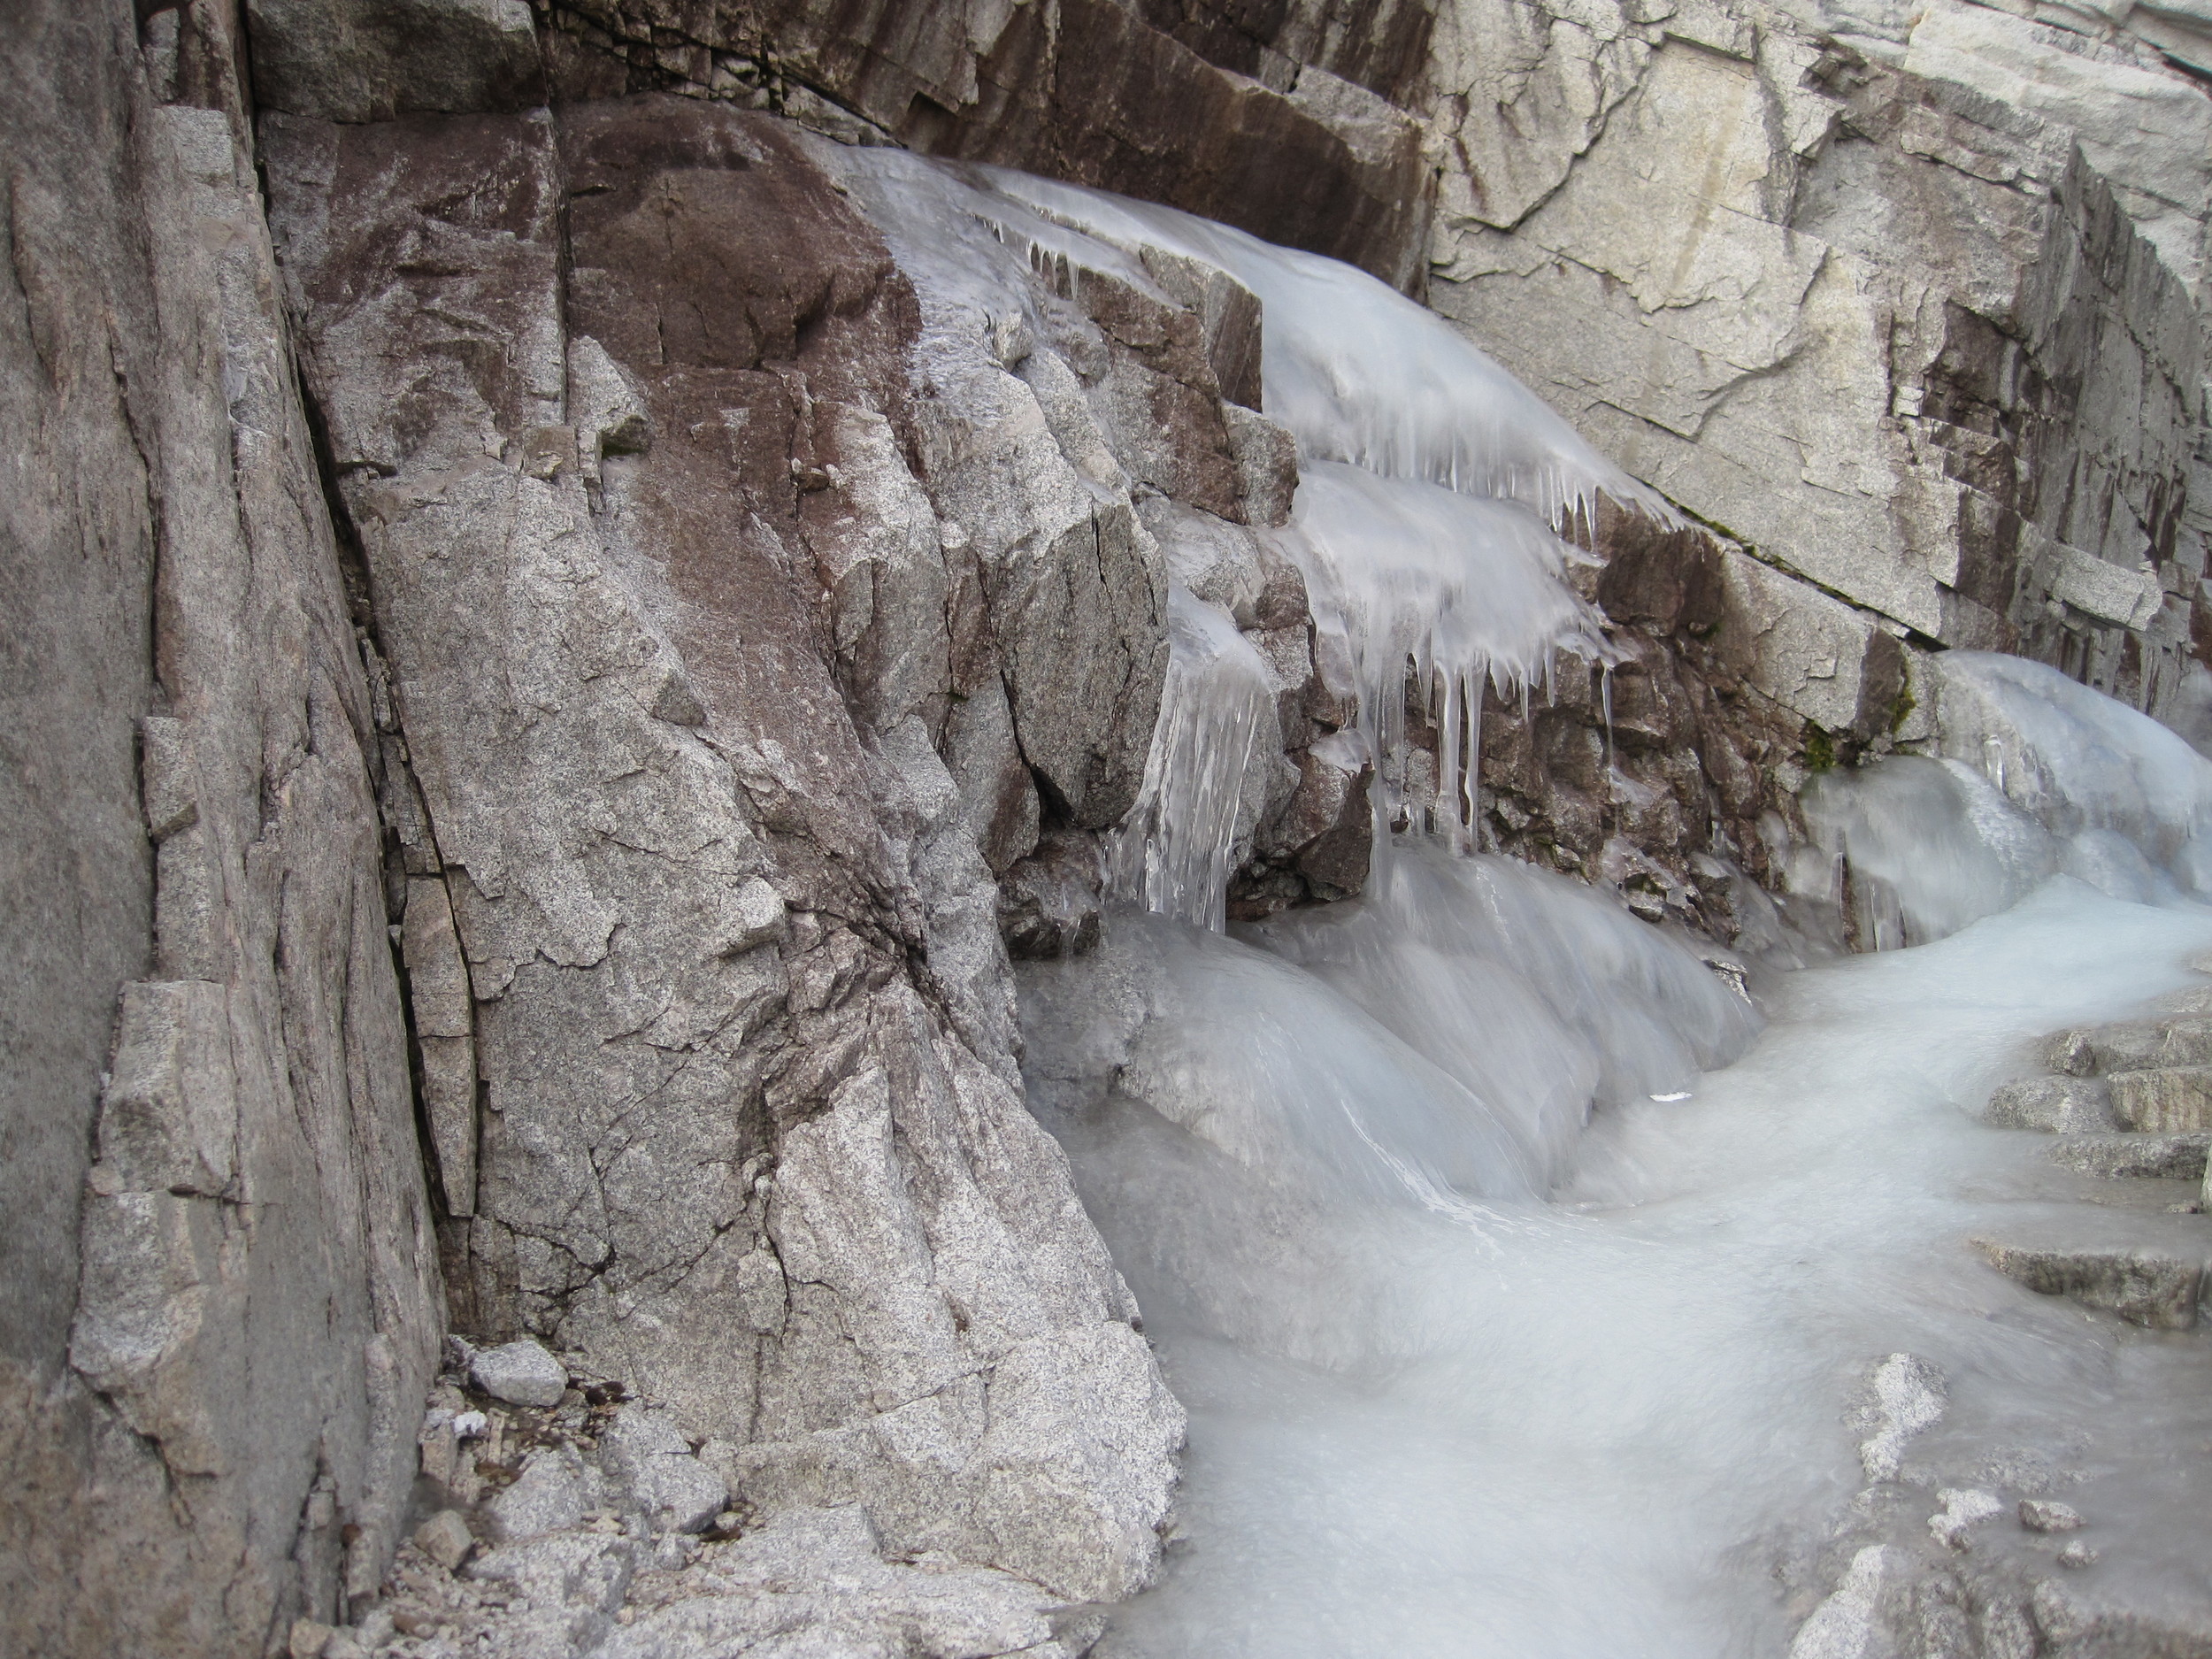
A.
pixel 1932 845
pixel 1299 1086
pixel 2076 760
pixel 1416 1427
pixel 1470 592
pixel 1533 991
pixel 1359 374
pixel 1430 484
pixel 1449 1338
pixel 1438 1043
pixel 1193 821
pixel 2038 774
pixel 949 226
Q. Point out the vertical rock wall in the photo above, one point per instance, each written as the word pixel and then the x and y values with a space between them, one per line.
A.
pixel 733 636
pixel 221 1289
pixel 1907 325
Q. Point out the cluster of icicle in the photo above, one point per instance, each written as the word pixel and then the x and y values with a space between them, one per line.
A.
pixel 1436 499
pixel 1179 847
pixel 1435 496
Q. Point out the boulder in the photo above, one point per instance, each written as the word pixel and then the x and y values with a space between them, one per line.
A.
pixel 2163 1098
pixel 644 1450
pixel 2145 1286
pixel 521 1372
pixel 2048 1515
pixel 2062 1105
pixel 2141 1156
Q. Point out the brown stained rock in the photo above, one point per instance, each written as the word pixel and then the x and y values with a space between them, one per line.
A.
pixel 1697 766
pixel 1097 95
pixel 1379 44
pixel 1328 827
pixel 345 61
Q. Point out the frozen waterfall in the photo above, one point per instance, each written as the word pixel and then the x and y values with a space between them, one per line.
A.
pixel 1517 1271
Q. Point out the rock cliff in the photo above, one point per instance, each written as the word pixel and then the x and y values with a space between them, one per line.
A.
pixel 221 1286
pixel 572 596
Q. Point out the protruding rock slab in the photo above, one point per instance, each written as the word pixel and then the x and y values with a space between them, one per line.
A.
pixel 2145 1286
pixel 2163 1098
pixel 2135 1156
pixel 2129 1046
pixel 2059 1105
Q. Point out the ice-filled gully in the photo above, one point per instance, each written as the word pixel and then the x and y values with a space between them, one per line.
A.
pixel 1534 1290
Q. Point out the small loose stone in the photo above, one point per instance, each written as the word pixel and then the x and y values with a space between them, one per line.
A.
pixel 445 1538
pixel 2043 1515
pixel 2077 1555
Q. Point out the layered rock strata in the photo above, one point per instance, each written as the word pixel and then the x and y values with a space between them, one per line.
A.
pixel 1280 121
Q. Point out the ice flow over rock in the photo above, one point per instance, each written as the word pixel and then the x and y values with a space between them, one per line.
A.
pixel 1496 1248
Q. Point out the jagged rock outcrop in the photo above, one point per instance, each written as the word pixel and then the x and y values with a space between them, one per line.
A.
pixel 221 1293
pixel 1896 338
pixel 1280 121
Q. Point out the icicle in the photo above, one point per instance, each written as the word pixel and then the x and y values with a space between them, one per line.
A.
pixel 1178 848
pixel 1361 375
pixel 1605 696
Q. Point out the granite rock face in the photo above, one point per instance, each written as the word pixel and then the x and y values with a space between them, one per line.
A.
pixel 561 625
pixel 221 1290
pixel 743 605
pixel 1895 335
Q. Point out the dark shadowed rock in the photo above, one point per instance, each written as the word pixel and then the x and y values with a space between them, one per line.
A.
pixel 1050 902
pixel 1089 91
pixel 366 60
